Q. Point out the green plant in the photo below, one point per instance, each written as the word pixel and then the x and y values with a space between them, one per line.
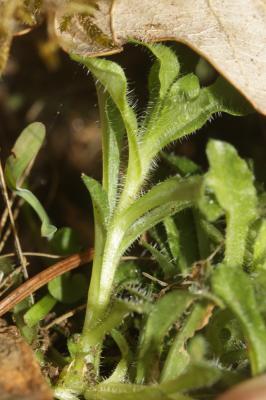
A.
pixel 126 205
pixel 206 235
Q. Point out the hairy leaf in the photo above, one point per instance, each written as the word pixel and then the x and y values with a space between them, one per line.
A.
pixel 195 377
pixel 234 287
pixel 167 267
pixel 183 113
pixel 177 357
pixel 232 181
pixel 112 78
pixel 165 69
pixel 177 195
pixel 165 313
pixel 112 129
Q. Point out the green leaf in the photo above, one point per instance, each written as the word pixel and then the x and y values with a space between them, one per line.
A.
pixel 47 230
pixel 120 372
pixel 259 254
pixel 180 116
pixel 187 240
pixel 23 154
pixel 112 78
pixel 68 288
pixel 162 74
pixel 172 189
pixel 164 71
pixel 173 238
pixel 234 287
pixel 167 267
pixel 182 165
pixel 127 271
pixel 116 313
pixel 195 377
pixel 112 129
pixel 168 198
pixel 151 219
pixel 99 201
pixel 232 182
pixel 178 358
pixel 101 218
pixel 166 311
pixel 37 312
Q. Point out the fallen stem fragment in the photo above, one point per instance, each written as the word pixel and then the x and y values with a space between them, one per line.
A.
pixel 41 279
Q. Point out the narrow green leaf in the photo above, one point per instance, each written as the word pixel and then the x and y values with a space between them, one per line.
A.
pixel 99 201
pixel 47 230
pixel 22 155
pixel 195 377
pixel 232 181
pixel 112 78
pixel 173 238
pixel 120 372
pixel 151 219
pixel 112 129
pixel 162 74
pixel 203 239
pixel 234 287
pixel 113 391
pixel 178 358
pixel 166 311
pixel 188 241
pixel 37 312
pixel 165 199
pixel 164 262
pixel 164 71
pixel 172 189
pixel 114 317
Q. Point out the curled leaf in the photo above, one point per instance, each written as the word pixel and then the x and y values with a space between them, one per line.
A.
pixel 22 155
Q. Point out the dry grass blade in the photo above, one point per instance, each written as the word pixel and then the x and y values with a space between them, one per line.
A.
pixel 21 257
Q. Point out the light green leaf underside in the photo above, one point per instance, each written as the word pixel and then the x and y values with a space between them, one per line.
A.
pixel 232 182
pixel 23 154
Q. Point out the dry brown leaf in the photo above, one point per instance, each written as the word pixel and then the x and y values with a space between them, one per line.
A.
pixel 230 34
pixel 20 375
